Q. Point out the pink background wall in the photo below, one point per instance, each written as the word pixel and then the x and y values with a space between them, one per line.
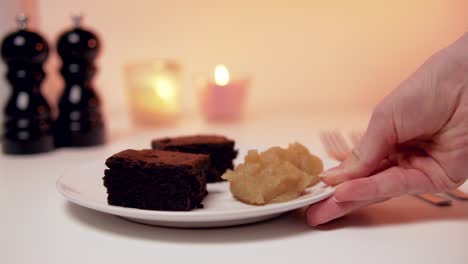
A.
pixel 315 55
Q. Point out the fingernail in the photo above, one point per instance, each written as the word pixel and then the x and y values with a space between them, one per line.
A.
pixel 335 199
pixel 327 173
pixel 323 174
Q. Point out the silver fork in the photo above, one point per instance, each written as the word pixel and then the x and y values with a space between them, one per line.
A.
pixel 338 149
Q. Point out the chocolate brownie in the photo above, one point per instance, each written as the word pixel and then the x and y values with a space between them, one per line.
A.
pixel 156 180
pixel 219 148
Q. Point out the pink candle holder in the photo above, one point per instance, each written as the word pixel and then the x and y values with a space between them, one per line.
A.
pixel 223 99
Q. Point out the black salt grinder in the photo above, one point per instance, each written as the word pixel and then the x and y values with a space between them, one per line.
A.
pixel 80 121
pixel 28 122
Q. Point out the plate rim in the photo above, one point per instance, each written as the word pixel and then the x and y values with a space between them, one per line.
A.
pixel 191 216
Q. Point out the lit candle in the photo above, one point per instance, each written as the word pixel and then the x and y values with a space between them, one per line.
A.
pixel 223 98
pixel 153 92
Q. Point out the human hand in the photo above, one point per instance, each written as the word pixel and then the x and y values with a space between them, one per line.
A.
pixel 416 141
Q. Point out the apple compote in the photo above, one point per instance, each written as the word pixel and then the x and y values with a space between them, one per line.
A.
pixel 275 175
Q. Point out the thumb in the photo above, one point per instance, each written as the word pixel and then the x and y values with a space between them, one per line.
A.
pixel 376 145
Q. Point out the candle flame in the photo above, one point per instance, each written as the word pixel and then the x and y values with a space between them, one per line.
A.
pixel 165 90
pixel 221 75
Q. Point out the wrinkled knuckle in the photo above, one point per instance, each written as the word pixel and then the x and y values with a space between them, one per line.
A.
pixel 438 188
pixel 400 178
pixel 444 183
pixel 450 183
pixel 403 183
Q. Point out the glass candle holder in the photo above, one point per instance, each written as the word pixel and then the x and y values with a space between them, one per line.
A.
pixel 223 98
pixel 153 92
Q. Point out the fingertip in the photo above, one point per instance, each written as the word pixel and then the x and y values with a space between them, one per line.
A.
pixel 336 199
pixel 311 216
pixel 329 209
pixel 354 190
pixel 330 180
pixel 330 176
pixel 322 212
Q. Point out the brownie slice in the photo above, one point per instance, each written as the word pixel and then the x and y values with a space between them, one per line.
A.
pixel 156 180
pixel 219 148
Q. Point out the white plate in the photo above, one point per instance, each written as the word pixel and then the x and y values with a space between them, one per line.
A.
pixel 84 186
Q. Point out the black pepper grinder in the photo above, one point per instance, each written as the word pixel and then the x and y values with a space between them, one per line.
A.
pixel 80 121
pixel 28 121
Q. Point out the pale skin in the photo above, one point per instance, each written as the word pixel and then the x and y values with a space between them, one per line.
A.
pixel 416 141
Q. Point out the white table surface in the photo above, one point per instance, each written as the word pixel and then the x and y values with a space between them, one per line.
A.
pixel 39 226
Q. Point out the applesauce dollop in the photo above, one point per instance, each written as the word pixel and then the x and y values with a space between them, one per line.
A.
pixel 275 175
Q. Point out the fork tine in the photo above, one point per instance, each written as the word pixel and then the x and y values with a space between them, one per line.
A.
pixel 335 145
pixel 330 146
pixel 341 143
pixel 338 148
pixel 327 144
pixel 327 136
